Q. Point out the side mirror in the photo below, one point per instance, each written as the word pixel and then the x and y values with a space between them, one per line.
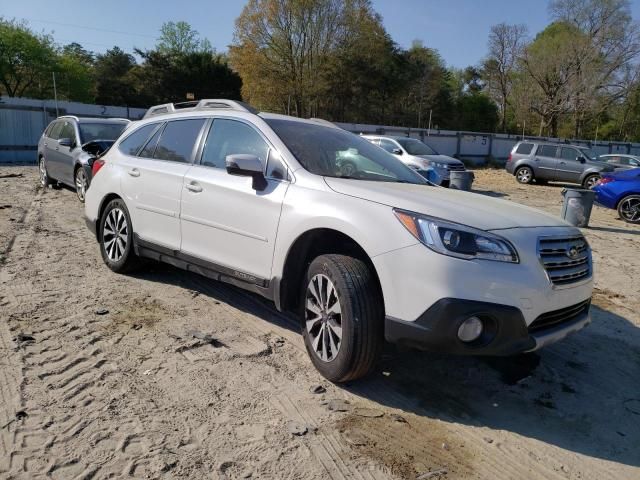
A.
pixel 65 142
pixel 396 151
pixel 247 166
pixel 580 158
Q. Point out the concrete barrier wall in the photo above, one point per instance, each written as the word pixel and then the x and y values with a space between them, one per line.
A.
pixel 22 121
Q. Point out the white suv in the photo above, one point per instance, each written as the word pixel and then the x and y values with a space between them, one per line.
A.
pixel 260 201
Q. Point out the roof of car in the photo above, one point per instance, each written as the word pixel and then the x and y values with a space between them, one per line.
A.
pixel 392 137
pixel 555 144
pixel 93 119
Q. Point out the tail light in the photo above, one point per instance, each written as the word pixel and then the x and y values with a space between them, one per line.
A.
pixel 509 158
pixel 605 180
pixel 97 165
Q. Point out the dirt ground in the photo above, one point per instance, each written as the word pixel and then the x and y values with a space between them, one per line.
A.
pixel 165 374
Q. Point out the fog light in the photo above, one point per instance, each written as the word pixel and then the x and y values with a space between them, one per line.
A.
pixel 470 329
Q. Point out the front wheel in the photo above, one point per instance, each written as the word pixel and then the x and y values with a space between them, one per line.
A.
pixel 81 182
pixel 629 209
pixel 44 176
pixel 343 317
pixel 590 181
pixel 116 238
pixel 524 175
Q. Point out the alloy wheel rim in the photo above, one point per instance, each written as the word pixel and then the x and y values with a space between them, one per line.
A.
pixel 81 183
pixel 630 209
pixel 323 318
pixel 524 175
pixel 114 234
pixel 43 172
pixel 592 182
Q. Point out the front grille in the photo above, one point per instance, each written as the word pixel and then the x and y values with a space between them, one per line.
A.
pixel 566 260
pixel 551 319
pixel 457 168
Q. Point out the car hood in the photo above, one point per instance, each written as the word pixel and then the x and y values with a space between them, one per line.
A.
pixel 471 209
pixel 441 158
pixel 603 166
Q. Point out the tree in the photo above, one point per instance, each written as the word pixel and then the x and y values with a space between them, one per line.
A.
pixel 26 59
pixel 178 38
pixel 114 81
pixel 281 47
pixel 506 43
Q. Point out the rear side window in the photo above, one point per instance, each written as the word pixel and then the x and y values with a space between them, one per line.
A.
pixel 150 147
pixel 47 132
pixel 547 150
pixel 229 137
pixel 524 148
pixel 178 139
pixel 134 142
pixel 68 132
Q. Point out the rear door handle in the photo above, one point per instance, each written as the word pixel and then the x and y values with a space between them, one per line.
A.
pixel 193 187
pixel 134 172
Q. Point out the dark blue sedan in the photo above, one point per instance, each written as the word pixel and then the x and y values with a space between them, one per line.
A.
pixel 621 191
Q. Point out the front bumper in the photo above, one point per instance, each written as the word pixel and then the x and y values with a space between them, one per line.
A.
pixel 505 330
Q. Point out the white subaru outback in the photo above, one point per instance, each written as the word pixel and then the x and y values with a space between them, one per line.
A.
pixel 261 201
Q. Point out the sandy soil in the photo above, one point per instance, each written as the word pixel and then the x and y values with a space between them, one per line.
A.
pixel 165 374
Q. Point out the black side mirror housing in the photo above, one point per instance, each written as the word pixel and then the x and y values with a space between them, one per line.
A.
pixel 397 151
pixel 245 165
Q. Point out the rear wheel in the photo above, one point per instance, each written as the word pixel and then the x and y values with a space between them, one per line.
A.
pixel 343 317
pixel 590 181
pixel 629 209
pixel 524 175
pixel 81 183
pixel 116 238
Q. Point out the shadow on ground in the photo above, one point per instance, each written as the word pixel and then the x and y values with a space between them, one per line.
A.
pixel 581 394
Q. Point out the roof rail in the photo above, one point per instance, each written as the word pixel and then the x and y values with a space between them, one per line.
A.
pixel 70 116
pixel 198 106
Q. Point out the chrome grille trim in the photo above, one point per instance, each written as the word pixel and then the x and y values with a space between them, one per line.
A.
pixel 566 260
pixel 558 317
pixel 458 168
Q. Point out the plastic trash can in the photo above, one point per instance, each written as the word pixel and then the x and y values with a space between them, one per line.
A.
pixel 461 180
pixel 577 205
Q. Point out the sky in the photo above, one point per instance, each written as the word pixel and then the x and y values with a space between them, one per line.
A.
pixel 458 29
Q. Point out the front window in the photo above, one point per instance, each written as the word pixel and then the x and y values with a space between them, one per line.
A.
pixel 589 154
pixel 416 147
pixel 332 152
pixel 90 132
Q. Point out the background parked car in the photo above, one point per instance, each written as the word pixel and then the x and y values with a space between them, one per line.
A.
pixel 620 161
pixel 419 155
pixel 551 162
pixel 69 143
pixel 621 191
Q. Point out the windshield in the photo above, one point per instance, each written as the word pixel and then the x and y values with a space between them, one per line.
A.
pixel 416 147
pixel 332 152
pixel 100 131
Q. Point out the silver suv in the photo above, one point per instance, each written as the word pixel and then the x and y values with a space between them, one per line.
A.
pixel 261 201
pixel 552 162
pixel 69 145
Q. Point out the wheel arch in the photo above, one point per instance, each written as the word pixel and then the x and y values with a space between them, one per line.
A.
pixel 103 205
pixel 307 246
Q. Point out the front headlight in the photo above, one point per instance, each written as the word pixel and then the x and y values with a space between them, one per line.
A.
pixel 439 165
pixel 457 240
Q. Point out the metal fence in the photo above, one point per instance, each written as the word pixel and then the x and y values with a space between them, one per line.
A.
pixel 23 120
pixel 482 148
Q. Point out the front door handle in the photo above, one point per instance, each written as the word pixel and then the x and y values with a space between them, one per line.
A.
pixel 193 187
pixel 134 172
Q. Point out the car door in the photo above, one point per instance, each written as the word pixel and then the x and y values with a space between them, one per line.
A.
pixel 50 149
pixel 546 162
pixel 64 154
pixel 569 166
pixel 152 180
pixel 225 221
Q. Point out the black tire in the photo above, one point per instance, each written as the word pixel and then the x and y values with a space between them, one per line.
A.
pixel 81 182
pixel 629 209
pixel 361 317
pixel 524 175
pixel 590 181
pixel 45 181
pixel 123 259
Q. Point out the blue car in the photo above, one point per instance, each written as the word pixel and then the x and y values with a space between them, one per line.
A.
pixel 621 191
